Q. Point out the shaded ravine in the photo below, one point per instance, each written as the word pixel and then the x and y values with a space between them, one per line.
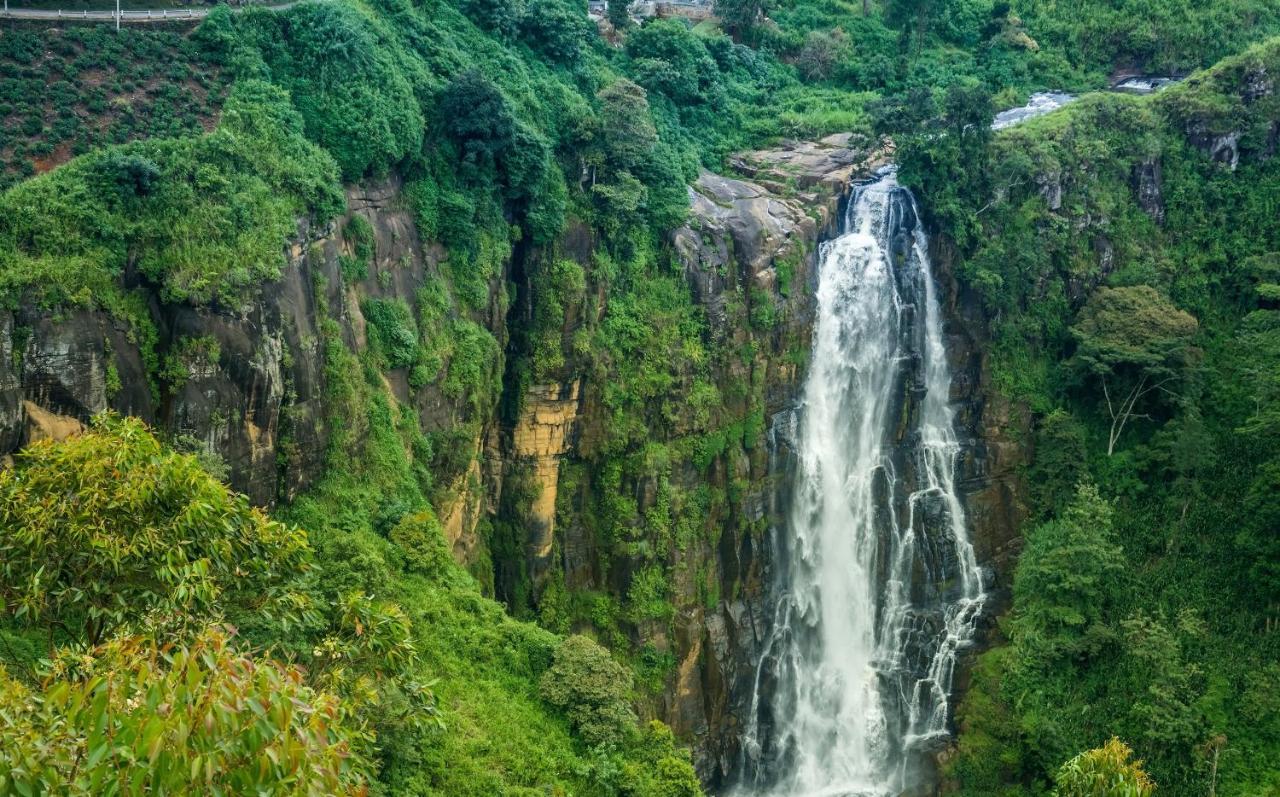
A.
pixel 879 585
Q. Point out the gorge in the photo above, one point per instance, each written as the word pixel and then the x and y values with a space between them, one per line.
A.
pixel 492 399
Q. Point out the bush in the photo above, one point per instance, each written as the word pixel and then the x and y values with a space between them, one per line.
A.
pixel 421 540
pixel 392 332
pixel 592 689
pixel 108 526
pixel 359 235
pixel 556 28
pixel 137 717
pixel 1104 772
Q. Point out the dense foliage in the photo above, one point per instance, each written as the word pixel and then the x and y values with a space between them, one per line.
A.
pixel 203 217
pixel 1135 325
pixel 539 168
pixel 140 718
pixel 109 529
pixel 382 667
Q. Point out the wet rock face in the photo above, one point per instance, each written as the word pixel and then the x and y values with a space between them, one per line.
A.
pixel 1147 188
pixel 994 435
pixel 745 241
pixel 259 405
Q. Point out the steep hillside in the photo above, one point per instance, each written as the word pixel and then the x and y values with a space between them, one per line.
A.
pixel 1127 252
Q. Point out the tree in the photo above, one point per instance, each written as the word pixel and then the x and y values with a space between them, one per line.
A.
pixel 820 54
pixel 943 147
pixel 132 175
pixel 1063 577
pixel 1104 772
pixel 912 17
pixel 1163 694
pixel 475 115
pixel 618 15
pixel 592 689
pixel 557 29
pixel 1260 337
pixel 669 58
pixel 626 130
pixel 1134 341
pixel 741 17
pixel 499 17
pixel 1060 464
pixel 137 717
pixel 101 529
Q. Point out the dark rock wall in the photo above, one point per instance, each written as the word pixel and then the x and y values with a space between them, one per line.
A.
pixel 267 380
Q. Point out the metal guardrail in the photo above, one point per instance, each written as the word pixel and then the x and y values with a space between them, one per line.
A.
pixel 157 15
pixel 128 15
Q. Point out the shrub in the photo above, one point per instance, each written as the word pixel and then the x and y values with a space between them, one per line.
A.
pixel 421 540
pixel 556 28
pixel 137 717
pixel 1104 772
pixel 392 331
pixel 358 233
pixel 108 526
pixel 592 689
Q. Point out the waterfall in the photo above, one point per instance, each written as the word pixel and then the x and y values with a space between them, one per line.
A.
pixel 879 586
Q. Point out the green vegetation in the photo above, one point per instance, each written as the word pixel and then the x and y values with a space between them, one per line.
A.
pixel 1136 327
pixel 145 530
pixel 66 91
pixel 542 169
pixel 385 661
pixel 136 717
pixel 203 218
pixel 1104 771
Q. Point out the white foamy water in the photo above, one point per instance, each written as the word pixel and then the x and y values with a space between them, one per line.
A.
pixel 1039 104
pixel 881 585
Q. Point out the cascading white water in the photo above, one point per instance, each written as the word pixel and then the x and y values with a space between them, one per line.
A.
pixel 880 585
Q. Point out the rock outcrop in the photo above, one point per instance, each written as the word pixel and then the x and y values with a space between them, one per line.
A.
pixel 253 381
pixel 541 438
pixel 246 384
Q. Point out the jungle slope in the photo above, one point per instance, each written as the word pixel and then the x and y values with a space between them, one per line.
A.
pixel 1127 252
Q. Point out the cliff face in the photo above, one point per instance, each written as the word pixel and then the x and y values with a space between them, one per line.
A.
pixel 249 392
pixel 250 385
pixel 245 384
